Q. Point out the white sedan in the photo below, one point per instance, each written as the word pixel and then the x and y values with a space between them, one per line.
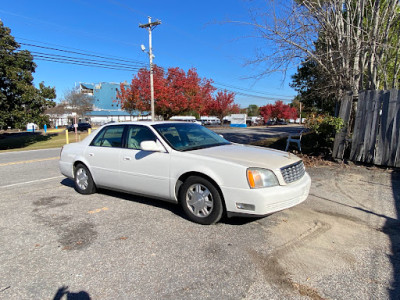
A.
pixel 188 164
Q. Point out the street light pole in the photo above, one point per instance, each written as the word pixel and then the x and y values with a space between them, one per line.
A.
pixel 151 74
pixel 150 27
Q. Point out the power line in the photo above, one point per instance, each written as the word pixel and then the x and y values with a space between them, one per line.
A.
pixel 124 64
pixel 56 56
pixel 80 53
pixel 266 98
pixel 105 62
pixel 82 62
pixel 252 91
pixel 86 63
pixel 67 47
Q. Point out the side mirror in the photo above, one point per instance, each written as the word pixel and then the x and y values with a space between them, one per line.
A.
pixel 151 146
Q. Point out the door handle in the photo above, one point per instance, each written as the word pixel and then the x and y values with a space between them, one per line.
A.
pixel 127 158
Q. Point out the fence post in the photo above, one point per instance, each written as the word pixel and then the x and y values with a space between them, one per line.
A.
pixel 340 137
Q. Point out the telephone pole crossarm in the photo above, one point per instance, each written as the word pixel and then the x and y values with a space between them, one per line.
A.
pixel 152 24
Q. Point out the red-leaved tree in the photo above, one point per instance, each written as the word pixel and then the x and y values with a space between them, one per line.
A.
pixel 278 111
pixel 175 92
pixel 223 104
pixel 136 96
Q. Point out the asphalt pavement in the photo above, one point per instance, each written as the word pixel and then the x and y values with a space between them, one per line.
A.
pixel 341 243
pixel 28 166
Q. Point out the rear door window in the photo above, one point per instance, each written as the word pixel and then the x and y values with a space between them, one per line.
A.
pixel 110 136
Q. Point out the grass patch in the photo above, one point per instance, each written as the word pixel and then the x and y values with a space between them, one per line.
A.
pixel 33 141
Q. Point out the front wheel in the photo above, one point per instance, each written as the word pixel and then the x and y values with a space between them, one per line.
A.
pixel 201 201
pixel 84 183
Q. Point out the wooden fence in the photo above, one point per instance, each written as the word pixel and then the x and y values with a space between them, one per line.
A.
pixel 376 132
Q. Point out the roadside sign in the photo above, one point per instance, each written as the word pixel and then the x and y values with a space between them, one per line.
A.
pixel 238 120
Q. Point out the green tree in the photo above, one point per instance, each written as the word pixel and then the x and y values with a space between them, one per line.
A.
pixel 253 110
pixel 20 101
pixel 314 89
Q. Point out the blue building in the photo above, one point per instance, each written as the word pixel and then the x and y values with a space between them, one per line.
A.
pixel 105 105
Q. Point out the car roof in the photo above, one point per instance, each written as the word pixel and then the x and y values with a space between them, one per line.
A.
pixel 148 123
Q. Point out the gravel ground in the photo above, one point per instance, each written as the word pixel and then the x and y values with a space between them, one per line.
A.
pixel 341 243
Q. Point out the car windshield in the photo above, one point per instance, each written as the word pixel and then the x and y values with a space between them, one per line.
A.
pixel 189 136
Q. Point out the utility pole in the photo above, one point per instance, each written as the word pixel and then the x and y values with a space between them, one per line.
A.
pixel 300 113
pixel 150 27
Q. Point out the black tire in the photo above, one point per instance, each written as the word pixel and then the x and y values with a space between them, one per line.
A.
pixel 201 201
pixel 83 180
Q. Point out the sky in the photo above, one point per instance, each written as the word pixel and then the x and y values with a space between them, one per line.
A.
pixel 192 34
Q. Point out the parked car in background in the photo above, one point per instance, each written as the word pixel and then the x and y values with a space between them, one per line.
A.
pixel 297 121
pixel 276 122
pixel 281 122
pixel 210 120
pixel 191 119
pixel 254 121
pixel 257 121
pixel 186 163
pixel 80 127
pixel 270 122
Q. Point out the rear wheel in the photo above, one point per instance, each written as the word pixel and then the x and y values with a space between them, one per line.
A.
pixel 201 200
pixel 84 183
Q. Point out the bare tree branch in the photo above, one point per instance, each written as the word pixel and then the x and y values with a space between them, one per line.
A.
pixel 350 40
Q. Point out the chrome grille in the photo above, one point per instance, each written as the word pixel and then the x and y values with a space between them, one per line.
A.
pixel 293 172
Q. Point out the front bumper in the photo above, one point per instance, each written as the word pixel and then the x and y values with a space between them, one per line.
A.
pixel 264 201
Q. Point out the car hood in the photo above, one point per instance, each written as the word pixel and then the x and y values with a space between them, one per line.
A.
pixel 249 156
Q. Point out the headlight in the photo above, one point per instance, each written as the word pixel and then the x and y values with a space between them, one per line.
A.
pixel 258 178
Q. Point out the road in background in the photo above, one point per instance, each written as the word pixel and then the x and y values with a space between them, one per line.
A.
pixel 9 157
pixel 26 166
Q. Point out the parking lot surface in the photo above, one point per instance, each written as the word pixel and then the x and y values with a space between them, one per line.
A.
pixel 343 242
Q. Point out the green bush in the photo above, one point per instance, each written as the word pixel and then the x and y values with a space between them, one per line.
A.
pixel 325 129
